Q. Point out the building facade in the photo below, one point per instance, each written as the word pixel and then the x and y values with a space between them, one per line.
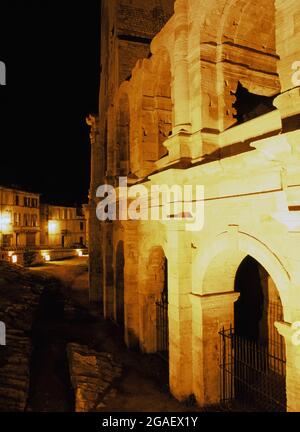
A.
pixel 63 227
pixel 19 218
pixel 216 102
pixel 39 230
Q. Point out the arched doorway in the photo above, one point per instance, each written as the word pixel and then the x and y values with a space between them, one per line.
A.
pixel 254 350
pixel 154 304
pixel 120 263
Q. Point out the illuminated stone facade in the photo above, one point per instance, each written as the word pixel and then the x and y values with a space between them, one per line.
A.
pixel 27 226
pixel 19 218
pixel 215 104
pixel 63 227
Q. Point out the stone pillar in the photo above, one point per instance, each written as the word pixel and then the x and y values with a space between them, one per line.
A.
pixel 151 285
pixel 211 313
pixel 131 302
pixel 288 49
pixel 95 259
pixel 180 312
pixel 108 270
pixel 146 300
pixel 95 239
pixel 181 92
pixel 292 366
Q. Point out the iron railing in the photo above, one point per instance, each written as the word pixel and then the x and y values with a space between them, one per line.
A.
pixel 252 374
pixel 162 327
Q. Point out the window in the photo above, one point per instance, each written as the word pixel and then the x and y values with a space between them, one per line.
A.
pixel 16 219
pixel 26 219
pixel 17 200
pixel 249 105
pixel 34 220
pixel 81 226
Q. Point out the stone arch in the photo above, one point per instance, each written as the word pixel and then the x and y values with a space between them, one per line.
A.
pixel 154 108
pixel 214 270
pixel 235 21
pixel 214 297
pixel 237 45
pixel 152 288
pixel 150 111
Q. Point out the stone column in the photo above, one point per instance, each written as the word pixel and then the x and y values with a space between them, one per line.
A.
pixel 108 270
pixel 131 303
pixel 292 365
pixel 211 313
pixel 95 238
pixel 181 92
pixel 147 299
pixel 180 311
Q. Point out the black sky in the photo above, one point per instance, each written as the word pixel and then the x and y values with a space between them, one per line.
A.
pixel 51 49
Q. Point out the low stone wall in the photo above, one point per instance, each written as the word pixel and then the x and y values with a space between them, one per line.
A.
pixel 37 256
pixel 93 376
pixel 20 293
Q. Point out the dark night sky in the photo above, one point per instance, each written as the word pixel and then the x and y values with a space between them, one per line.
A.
pixel 51 49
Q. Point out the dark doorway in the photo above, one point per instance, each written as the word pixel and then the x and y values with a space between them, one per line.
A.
pixel 248 310
pixel 253 365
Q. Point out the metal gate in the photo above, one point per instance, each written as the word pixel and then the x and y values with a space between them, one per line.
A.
pixel 252 374
pixel 162 326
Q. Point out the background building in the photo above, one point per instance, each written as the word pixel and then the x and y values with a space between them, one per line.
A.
pixel 31 231
pixel 63 227
pixel 19 218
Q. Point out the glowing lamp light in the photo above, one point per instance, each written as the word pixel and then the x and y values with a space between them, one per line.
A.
pixel 5 222
pixel 52 227
pixel 14 259
pixel 46 256
pixel 79 253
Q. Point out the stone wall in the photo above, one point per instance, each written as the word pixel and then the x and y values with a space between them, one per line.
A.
pixel 184 130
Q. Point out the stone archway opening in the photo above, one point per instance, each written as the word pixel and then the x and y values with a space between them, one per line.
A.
pixel 226 265
pixel 154 303
pixel 253 349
